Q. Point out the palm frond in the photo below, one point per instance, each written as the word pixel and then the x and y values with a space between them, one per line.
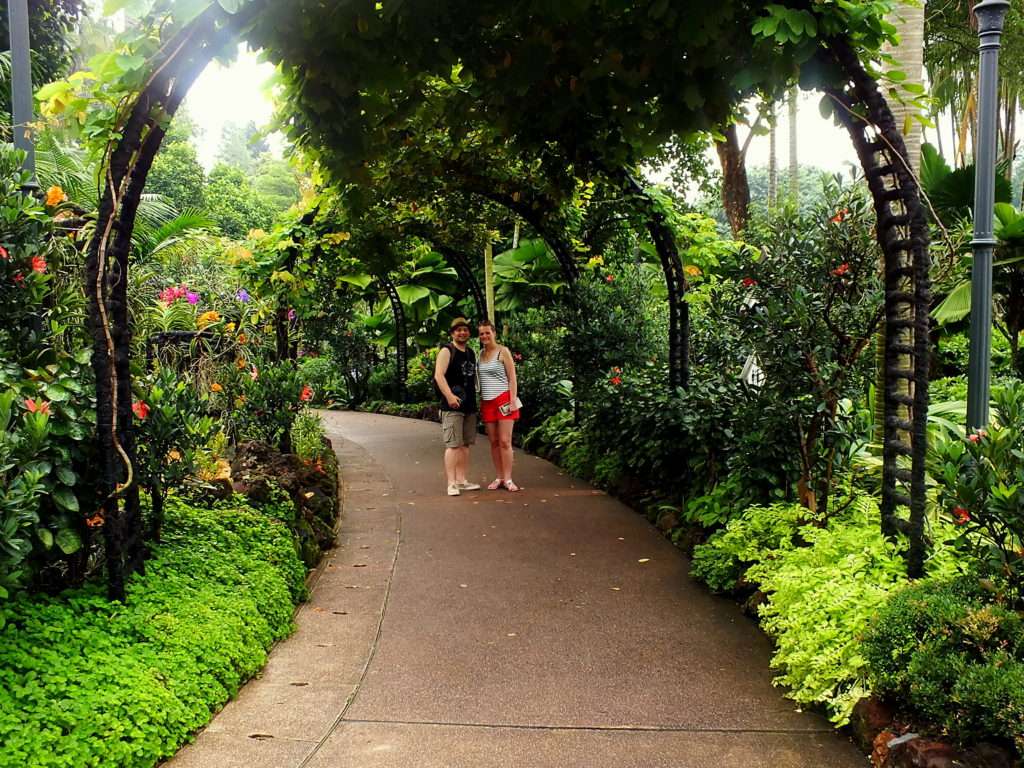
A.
pixel 956 306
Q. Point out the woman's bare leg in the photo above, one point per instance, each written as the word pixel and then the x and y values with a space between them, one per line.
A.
pixel 505 447
pixel 492 436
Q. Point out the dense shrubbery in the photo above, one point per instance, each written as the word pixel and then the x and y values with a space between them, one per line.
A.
pixel 947 655
pixel 91 682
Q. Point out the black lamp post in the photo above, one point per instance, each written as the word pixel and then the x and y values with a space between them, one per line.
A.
pixel 21 88
pixel 990 15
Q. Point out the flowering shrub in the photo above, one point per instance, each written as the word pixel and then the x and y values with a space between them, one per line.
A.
pixel 981 487
pixel 308 436
pixel 171 426
pixel 272 396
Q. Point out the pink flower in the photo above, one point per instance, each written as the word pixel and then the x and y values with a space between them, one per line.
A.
pixel 291 315
pixel 192 296
pixel 254 373
pixel 517 357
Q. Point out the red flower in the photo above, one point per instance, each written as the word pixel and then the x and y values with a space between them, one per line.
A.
pixel 749 282
pixel 4 254
pixel 615 380
pixel 19 279
pixel 38 264
pixel 37 406
pixel 517 357
pixel 961 516
pixel 307 394
pixel 609 279
pixel 140 409
pixel 840 216
pixel 841 270
pixel 616 370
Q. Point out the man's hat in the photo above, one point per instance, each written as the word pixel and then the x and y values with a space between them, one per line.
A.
pixel 458 322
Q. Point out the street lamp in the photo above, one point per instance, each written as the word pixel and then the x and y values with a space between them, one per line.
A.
pixel 21 88
pixel 990 15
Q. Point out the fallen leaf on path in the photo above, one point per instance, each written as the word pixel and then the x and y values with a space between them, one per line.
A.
pixel 260 736
pixel 359 565
pixel 463 586
pixel 299 685
pixel 644 560
pixel 511 634
pixel 616 589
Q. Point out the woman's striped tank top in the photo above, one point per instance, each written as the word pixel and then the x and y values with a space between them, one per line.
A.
pixel 493 378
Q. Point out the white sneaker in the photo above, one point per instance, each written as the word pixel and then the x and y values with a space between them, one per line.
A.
pixel 453 490
pixel 467 486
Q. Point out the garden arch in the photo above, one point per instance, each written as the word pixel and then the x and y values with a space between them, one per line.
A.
pixel 901 231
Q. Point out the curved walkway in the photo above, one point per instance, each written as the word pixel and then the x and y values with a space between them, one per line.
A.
pixel 553 627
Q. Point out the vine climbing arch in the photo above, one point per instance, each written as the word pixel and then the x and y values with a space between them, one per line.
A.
pixel 901 230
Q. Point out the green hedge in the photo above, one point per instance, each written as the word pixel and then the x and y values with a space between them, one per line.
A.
pixel 949 656
pixel 87 682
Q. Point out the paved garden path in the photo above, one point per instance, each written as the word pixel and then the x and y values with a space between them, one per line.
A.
pixel 553 627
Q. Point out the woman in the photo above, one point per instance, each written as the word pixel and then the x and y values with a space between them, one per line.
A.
pixel 498 395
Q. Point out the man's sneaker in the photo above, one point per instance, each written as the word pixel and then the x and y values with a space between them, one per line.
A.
pixel 467 486
pixel 453 490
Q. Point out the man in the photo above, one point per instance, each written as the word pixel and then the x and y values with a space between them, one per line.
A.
pixel 455 376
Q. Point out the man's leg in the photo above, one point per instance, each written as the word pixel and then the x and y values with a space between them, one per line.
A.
pixel 451 461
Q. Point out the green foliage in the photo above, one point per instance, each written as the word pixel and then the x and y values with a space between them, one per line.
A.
pixel 420 383
pixel 177 175
pixel 759 533
pixel 948 656
pixel 981 488
pixel 91 682
pixel 322 375
pixel 308 436
pixel 821 599
pixel 272 399
pixel 234 205
pixel 172 426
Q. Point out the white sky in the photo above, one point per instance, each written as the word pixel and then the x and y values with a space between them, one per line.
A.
pixel 230 94
pixel 236 93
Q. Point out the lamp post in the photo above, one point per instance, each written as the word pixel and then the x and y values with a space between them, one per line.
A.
pixel 21 88
pixel 990 15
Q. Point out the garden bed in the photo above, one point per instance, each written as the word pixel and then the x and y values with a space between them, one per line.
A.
pixel 85 681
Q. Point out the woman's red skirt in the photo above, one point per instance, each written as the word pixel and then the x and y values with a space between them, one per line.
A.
pixel 489 409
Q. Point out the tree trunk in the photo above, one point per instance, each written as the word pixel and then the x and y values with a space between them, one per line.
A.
pixel 735 188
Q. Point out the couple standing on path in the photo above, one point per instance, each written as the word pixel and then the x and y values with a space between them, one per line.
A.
pixel 456 374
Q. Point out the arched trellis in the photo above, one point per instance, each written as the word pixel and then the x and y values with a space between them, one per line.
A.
pixel 901 232
pixel 401 335
pixel 462 264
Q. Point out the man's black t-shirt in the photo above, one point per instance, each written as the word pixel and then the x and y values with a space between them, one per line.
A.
pixel 461 378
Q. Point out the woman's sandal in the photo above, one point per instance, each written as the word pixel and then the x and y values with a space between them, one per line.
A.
pixel 495 485
pixel 510 486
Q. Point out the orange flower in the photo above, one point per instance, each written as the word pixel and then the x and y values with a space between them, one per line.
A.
pixel 38 264
pixel 37 406
pixel 692 270
pixel 208 318
pixel 840 216
pixel 841 270
pixel 95 521
pixel 55 196
pixel 242 338
pixel 140 409
pixel 307 394
pixel 615 380
pixel 215 387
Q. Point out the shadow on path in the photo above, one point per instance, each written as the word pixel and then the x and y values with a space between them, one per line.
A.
pixel 552 627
